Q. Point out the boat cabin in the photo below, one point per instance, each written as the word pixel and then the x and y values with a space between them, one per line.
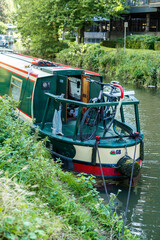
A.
pixel 28 80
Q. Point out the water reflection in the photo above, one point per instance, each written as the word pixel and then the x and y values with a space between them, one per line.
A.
pixel 144 208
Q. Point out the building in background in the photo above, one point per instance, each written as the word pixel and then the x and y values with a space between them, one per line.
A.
pixel 98 31
pixel 11 29
pixel 143 17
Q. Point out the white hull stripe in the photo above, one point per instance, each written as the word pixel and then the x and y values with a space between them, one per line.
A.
pixel 22 73
pixel 85 153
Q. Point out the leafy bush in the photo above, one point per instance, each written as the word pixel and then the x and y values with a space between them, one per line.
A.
pixel 134 42
pixel 109 43
pixel 157 45
pixel 70 37
pixel 141 41
pixel 78 55
pixel 135 66
pixel 112 43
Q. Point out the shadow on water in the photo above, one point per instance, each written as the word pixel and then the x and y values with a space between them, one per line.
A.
pixel 143 216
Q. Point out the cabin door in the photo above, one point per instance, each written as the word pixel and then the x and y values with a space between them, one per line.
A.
pixel 85 89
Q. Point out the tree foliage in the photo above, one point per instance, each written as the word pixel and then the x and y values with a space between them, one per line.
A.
pixel 6 8
pixel 40 21
pixel 3 27
pixel 3 10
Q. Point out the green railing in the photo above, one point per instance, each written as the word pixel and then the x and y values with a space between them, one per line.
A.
pixel 58 99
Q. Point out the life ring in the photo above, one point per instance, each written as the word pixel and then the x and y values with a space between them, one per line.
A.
pixel 124 166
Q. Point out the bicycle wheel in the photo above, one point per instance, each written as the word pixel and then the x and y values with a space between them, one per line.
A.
pixel 89 124
pixel 108 117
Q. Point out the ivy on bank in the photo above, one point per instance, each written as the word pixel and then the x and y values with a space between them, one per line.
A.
pixel 36 186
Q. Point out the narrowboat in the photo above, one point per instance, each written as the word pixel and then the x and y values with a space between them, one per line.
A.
pixel 92 127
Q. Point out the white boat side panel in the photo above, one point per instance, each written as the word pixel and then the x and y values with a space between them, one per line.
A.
pixel 85 154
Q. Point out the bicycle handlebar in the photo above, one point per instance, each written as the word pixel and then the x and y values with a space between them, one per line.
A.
pixel 113 85
pixel 100 83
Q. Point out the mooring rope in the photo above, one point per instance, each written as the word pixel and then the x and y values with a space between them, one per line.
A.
pixel 130 184
pixel 104 183
pixel 129 191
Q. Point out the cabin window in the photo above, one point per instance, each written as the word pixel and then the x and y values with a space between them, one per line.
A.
pixel 74 87
pixel 15 89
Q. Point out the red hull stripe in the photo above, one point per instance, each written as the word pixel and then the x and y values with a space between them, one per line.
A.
pixel 95 170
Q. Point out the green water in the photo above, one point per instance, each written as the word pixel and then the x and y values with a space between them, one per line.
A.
pixel 143 216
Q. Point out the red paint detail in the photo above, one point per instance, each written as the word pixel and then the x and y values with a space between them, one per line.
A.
pixel 136 134
pixel 84 110
pixel 140 162
pixel 24 113
pixel 113 152
pixel 121 89
pixel 97 139
pixel 32 74
pixel 95 170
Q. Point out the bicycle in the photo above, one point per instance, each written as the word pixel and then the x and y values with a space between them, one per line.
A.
pixel 94 115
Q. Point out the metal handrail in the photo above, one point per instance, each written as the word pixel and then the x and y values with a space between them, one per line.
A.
pixel 59 99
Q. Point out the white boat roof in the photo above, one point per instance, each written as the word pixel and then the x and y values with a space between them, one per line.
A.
pixel 21 62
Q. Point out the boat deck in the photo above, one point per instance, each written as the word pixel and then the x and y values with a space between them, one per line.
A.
pixel 68 130
pixel 68 133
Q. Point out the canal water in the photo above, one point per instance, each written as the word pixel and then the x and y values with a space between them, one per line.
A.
pixel 143 216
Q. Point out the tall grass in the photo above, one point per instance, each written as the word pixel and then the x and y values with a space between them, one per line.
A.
pixel 141 67
pixel 38 199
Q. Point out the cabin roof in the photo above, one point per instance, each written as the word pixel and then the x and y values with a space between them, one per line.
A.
pixel 24 63
pixel 21 63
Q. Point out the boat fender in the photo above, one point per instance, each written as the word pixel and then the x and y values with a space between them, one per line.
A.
pixel 124 166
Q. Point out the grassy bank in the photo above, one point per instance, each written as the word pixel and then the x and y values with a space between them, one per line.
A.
pixel 40 201
pixel 141 67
